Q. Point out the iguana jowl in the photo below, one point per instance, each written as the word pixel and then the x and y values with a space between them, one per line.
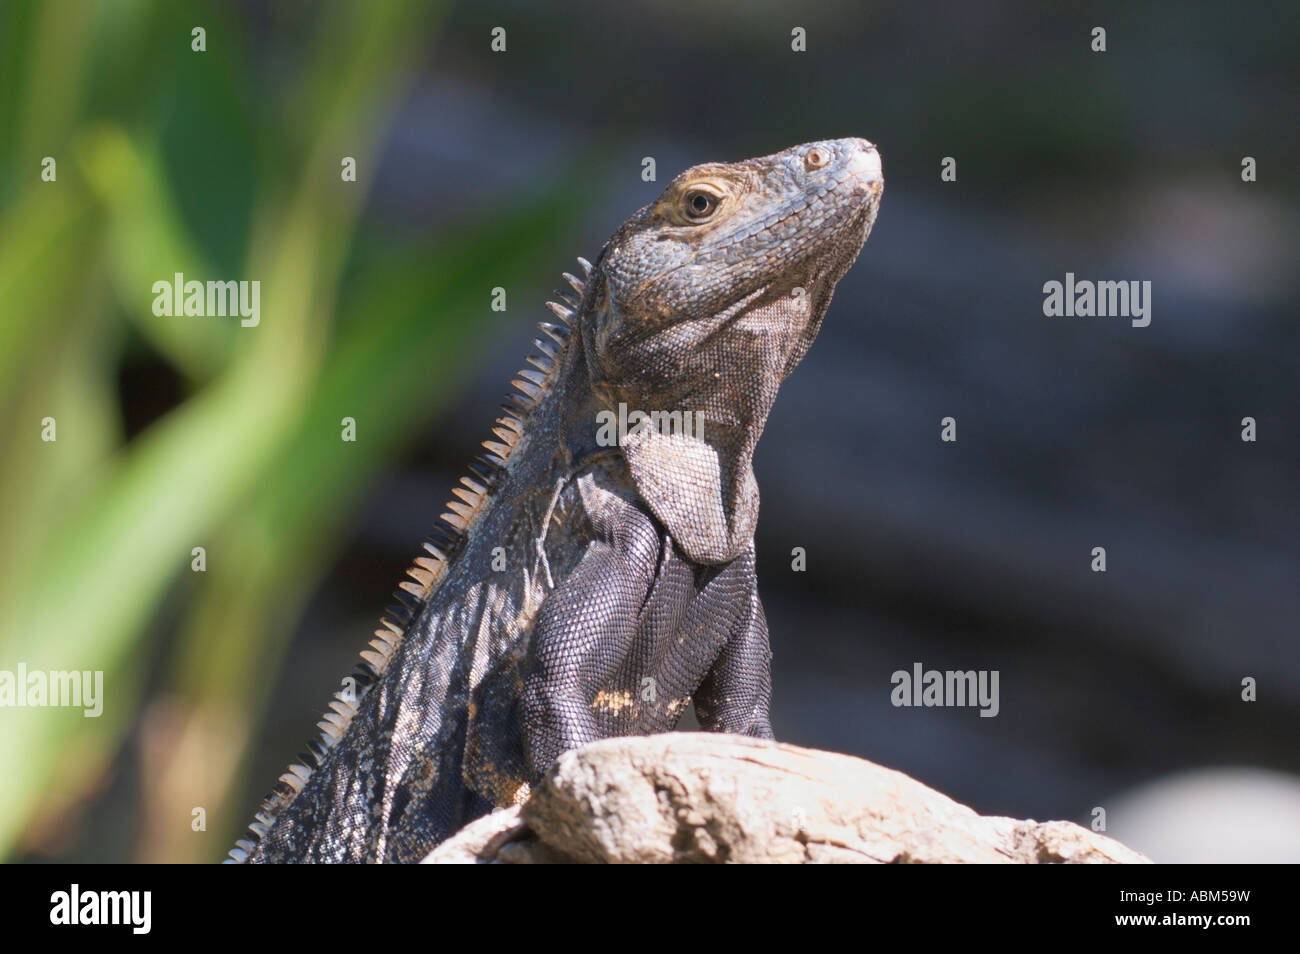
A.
pixel 587 589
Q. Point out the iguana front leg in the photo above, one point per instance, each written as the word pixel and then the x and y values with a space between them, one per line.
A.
pixel 737 692
pixel 633 634
pixel 584 632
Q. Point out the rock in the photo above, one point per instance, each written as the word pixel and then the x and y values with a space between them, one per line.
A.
pixel 686 797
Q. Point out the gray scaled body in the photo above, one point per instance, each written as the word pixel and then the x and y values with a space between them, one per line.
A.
pixel 593 580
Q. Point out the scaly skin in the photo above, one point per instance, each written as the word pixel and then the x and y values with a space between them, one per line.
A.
pixel 588 590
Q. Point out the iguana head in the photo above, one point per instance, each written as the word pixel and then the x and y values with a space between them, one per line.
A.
pixel 704 301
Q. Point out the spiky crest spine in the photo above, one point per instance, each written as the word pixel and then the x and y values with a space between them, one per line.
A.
pixel 442 547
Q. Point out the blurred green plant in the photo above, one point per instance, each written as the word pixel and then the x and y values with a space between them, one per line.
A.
pixel 207 173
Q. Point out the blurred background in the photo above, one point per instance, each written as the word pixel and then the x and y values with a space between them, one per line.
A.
pixel 476 169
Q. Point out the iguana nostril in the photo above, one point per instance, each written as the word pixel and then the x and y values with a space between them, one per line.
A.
pixel 865 163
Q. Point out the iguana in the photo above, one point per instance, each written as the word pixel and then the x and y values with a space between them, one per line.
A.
pixel 596 574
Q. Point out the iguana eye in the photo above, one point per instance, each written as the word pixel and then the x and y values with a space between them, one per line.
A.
pixel 700 205
pixel 816 157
